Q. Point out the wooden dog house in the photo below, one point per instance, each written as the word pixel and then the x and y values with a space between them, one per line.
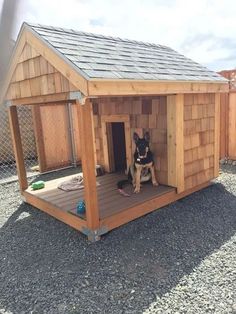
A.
pixel 118 87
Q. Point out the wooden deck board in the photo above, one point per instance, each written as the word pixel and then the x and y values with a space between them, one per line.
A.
pixel 109 200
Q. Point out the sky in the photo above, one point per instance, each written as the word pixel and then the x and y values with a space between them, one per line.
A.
pixel 202 30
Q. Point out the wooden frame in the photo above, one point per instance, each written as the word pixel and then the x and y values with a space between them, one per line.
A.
pixel 116 118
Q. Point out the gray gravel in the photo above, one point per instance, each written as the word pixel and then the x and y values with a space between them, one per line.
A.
pixel 179 259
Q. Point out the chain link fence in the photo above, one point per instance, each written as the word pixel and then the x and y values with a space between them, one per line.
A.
pixel 55 129
pixel 8 170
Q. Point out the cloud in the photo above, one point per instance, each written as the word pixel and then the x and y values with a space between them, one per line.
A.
pixel 203 30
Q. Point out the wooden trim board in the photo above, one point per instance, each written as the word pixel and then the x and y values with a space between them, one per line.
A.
pixel 134 87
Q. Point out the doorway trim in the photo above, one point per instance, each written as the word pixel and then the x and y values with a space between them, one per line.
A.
pixel 106 135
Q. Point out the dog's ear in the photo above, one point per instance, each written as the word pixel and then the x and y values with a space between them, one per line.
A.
pixel 147 136
pixel 135 137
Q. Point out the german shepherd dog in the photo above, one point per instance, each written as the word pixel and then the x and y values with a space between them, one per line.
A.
pixel 142 169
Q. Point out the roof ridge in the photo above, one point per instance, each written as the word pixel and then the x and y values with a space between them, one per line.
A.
pixel 73 31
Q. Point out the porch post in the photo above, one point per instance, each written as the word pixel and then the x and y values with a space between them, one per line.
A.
pixel 86 134
pixel 175 141
pixel 17 146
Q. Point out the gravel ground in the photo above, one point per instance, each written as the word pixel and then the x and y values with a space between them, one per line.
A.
pixel 179 259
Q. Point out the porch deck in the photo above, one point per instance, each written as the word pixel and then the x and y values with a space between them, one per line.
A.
pixel 109 200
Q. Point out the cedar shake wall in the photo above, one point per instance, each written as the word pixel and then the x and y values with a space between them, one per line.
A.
pixel 199 112
pixel 146 114
pixel 34 76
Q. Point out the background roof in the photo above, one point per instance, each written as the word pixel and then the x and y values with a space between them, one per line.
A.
pixel 103 57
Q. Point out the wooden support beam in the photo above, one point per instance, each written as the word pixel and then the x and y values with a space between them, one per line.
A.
pixel 17 146
pixel 217 135
pixel 175 141
pixel 104 87
pixel 43 100
pixel 85 119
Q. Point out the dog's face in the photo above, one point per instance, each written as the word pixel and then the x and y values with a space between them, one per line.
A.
pixel 142 144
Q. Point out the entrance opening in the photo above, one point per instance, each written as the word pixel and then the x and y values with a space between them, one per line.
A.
pixel 116 146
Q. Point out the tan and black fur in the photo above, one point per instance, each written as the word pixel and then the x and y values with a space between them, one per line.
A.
pixel 142 169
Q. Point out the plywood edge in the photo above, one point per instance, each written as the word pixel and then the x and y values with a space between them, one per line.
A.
pixel 69 219
pixel 142 209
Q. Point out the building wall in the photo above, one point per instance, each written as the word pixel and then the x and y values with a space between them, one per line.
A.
pixel 199 137
pixel 146 114
pixel 34 76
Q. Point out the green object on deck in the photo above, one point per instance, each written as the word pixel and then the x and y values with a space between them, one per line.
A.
pixel 38 185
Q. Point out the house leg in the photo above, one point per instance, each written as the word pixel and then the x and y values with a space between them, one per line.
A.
pixel 85 119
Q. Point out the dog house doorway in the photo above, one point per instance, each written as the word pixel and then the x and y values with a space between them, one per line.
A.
pixel 116 142
pixel 117 149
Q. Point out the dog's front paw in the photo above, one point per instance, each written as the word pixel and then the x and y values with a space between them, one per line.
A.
pixel 137 190
pixel 155 183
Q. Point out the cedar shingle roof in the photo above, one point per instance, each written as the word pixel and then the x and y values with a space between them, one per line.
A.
pixel 96 56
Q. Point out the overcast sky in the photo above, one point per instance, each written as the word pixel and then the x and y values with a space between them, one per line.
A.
pixel 203 30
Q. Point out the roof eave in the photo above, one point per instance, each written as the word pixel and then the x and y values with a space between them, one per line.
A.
pixel 105 87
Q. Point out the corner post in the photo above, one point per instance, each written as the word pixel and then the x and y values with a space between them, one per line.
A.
pixel 86 133
pixel 175 141
pixel 217 135
pixel 17 146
